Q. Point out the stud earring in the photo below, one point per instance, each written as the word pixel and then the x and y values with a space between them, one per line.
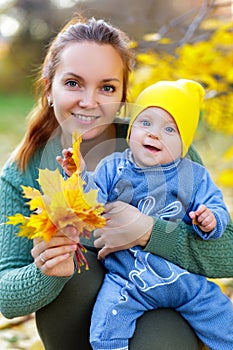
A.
pixel 50 104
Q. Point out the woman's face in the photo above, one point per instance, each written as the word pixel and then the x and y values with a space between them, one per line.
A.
pixel 87 88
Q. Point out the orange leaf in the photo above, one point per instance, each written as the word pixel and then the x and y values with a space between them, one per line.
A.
pixel 77 139
pixel 61 203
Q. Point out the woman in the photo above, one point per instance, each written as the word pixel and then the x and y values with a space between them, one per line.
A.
pixel 82 85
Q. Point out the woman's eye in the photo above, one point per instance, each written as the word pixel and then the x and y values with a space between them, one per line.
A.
pixel 109 88
pixel 72 83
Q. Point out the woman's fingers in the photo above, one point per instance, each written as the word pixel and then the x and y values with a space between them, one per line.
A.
pixel 55 258
pixel 52 253
pixel 58 265
pixel 72 233
pixel 57 241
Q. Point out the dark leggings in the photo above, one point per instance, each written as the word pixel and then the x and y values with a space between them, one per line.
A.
pixel 64 323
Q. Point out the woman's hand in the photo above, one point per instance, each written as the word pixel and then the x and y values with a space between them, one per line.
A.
pixel 126 227
pixel 56 257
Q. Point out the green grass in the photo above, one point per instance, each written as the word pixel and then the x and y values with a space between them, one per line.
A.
pixel 14 110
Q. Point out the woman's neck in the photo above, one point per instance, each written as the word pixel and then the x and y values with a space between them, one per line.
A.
pixel 96 149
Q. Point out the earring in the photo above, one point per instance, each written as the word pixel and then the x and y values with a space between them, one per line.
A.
pixel 119 111
pixel 50 104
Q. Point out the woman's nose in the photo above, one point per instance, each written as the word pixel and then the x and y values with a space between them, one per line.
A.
pixel 88 99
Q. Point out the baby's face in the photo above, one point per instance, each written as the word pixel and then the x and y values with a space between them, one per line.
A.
pixel 155 138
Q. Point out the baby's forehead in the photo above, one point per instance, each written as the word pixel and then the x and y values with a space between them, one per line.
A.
pixel 156 113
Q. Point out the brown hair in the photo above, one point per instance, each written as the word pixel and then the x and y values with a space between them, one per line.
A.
pixel 42 121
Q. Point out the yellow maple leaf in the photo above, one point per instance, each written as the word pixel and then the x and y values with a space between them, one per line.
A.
pixel 44 227
pixel 16 219
pixel 60 203
pixel 74 160
pixel 21 221
pixel 76 149
pixel 50 181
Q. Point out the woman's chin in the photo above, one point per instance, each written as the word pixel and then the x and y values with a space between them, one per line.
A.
pixel 92 133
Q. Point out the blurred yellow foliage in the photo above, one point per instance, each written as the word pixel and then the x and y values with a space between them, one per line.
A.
pixel 209 62
pixel 226 178
pixel 37 346
pixel 228 155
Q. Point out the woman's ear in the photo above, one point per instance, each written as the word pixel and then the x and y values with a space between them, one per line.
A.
pixel 47 92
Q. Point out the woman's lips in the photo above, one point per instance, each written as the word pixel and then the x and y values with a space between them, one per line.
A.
pixel 84 118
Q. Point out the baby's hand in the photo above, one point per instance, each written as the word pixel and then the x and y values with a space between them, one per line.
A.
pixel 203 218
pixel 67 162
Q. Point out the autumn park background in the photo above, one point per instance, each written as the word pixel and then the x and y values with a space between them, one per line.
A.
pixel 172 39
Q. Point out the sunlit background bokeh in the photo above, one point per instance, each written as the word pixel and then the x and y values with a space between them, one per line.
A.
pixel 172 39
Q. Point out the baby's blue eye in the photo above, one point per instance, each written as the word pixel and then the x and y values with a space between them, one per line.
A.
pixel 146 123
pixel 169 129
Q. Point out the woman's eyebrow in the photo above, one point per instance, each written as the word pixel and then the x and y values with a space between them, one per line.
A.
pixel 73 74
pixel 107 80
pixel 111 79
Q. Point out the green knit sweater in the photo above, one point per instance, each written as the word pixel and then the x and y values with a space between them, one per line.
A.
pixel 24 289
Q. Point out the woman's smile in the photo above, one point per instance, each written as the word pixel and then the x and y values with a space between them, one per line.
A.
pixel 85 119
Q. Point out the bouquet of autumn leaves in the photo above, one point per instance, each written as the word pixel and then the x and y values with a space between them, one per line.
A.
pixel 60 203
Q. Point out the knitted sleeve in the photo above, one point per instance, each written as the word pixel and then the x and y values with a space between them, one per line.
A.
pixel 177 242
pixel 23 288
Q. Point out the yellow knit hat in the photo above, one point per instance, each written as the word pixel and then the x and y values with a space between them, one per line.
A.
pixel 182 99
